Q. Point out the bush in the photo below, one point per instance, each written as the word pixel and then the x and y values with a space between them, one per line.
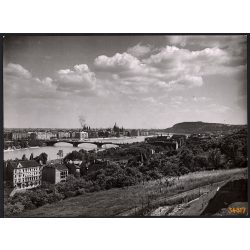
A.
pixel 13 209
pixel 70 194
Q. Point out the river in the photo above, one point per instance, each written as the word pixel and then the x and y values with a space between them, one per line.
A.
pixel 67 148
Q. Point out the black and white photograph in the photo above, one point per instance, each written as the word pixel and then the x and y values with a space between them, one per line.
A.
pixel 125 125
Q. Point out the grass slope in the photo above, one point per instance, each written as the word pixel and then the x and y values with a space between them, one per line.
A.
pixel 128 201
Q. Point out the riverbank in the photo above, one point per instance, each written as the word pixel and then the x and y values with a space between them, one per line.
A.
pixel 52 151
pixel 11 150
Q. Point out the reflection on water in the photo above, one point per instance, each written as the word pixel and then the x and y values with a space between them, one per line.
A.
pixel 67 148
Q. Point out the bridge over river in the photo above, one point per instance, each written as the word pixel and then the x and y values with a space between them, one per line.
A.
pixel 75 143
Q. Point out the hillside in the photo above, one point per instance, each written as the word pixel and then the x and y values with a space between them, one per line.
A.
pixel 202 127
pixel 136 200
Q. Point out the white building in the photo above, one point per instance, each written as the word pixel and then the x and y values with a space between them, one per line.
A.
pixel 24 174
pixel 44 135
pixel 81 135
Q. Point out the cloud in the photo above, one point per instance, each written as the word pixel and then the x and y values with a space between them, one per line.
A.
pixel 19 83
pixel 181 83
pixel 201 99
pixel 173 61
pixel 218 108
pixel 203 41
pixel 120 63
pixel 79 79
pixel 47 82
pixel 139 50
pixel 32 88
pixel 161 70
pixel 16 70
pixel 152 100
pixel 142 72
pixel 187 81
pixel 172 67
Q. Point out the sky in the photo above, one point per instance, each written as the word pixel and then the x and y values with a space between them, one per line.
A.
pixel 135 81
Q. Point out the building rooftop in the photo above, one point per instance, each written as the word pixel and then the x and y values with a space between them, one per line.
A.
pixel 24 164
pixel 58 166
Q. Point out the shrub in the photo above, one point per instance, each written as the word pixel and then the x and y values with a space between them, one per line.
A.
pixel 13 209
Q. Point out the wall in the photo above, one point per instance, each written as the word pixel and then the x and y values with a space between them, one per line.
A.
pixel 48 174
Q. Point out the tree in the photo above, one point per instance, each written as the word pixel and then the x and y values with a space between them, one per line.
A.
pixel 200 163
pixel 214 158
pixel 186 158
pixel 31 156
pixel 24 158
pixel 60 153
pixel 42 157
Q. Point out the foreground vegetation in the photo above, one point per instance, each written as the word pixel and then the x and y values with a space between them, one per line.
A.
pixel 144 163
pixel 135 200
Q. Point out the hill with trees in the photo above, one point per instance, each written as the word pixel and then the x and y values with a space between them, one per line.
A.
pixel 203 127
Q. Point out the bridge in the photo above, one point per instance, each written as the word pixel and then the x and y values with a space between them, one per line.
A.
pixel 75 143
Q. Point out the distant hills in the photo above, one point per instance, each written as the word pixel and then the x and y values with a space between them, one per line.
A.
pixel 202 127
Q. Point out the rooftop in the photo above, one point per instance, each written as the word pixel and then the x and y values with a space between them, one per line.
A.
pixel 24 164
pixel 58 166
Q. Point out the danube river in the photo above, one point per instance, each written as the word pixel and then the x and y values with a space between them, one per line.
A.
pixel 66 147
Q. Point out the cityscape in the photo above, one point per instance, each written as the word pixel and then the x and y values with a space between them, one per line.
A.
pixel 36 137
pixel 125 126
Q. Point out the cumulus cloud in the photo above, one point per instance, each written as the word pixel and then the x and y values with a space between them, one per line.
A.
pixel 120 63
pixel 168 68
pixel 47 82
pixel 139 50
pixel 79 79
pixel 140 70
pixel 203 41
pixel 173 60
pixel 16 70
pixel 19 83
pixel 186 81
pixel 30 88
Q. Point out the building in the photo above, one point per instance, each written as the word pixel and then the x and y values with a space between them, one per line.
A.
pixel 144 133
pixel 158 138
pixel 81 135
pixel 55 173
pixel 72 134
pixel 63 135
pixel 32 135
pixel 163 141
pixel 24 174
pixel 74 167
pixel 7 136
pixel 181 139
pixel 19 135
pixel 93 134
pixel 53 135
pixel 45 135
pixel 135 132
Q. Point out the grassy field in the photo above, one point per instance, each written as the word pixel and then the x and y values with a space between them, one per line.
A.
pixel 135 200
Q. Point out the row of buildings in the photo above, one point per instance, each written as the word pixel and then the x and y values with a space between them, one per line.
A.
pixel 44 135
pixel 80 135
